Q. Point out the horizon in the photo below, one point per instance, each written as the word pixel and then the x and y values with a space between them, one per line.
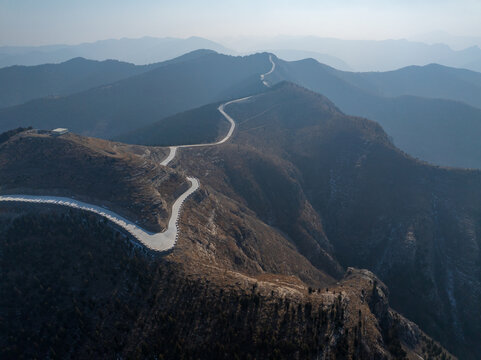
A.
pixel 52 22
pixel 222 40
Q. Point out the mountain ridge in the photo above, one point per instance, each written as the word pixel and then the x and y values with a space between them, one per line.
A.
pixel 430 129
pixel 371 55
pixel 139 51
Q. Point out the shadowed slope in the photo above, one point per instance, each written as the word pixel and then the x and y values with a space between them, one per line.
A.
pixel 19 84
pixel 441 131
pixel 411 223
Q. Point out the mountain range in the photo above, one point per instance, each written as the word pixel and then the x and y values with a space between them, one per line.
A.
pixel 442 37
pixel 442 130
pixel 24 83
pixel 368 55
pixel 431 112
pixel 140 51
pixel 315 231
pixel 355 55
pixel 115 108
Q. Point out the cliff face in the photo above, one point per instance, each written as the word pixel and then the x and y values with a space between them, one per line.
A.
pixel 345 196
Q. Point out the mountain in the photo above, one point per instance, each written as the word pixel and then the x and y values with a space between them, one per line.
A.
pixel 345 195
pixel 430 81
pixel 232 286
pixel 19 84
pixel 294 55
pixel 369 55
pixel 412 224
pixel 140 51
pixel 197 79
pixel 442 37
pixel 440 131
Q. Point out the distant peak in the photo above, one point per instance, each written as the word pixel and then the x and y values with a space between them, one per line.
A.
pixel 78 59
pixel 202 52
pixel 196 38
pixel 196 54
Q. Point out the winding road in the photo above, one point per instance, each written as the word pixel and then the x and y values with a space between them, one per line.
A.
pixel 156 241
pixel 268 73
pixel 173 149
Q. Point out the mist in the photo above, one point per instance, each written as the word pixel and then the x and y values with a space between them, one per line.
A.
pixel 57 22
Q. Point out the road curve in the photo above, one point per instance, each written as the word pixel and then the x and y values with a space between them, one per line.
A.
pixel 173 149
pixel 269 72
pixel 156 241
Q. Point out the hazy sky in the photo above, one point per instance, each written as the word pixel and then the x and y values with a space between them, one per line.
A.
pixel 38 22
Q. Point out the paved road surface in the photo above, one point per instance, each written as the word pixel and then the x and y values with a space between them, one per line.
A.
pixel 155 241
pixel 173 149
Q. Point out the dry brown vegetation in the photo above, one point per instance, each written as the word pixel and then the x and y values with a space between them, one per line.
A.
pixel 343 195
pixel 128 179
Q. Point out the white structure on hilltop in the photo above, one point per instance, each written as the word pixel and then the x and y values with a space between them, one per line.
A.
pixel 59 131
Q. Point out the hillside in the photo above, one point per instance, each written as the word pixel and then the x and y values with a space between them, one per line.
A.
pixel 429 81
pixel 201 125
pixel 128 179
pixel 341 192
pixel 120 107
pixel 19 84
pixel 440 131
